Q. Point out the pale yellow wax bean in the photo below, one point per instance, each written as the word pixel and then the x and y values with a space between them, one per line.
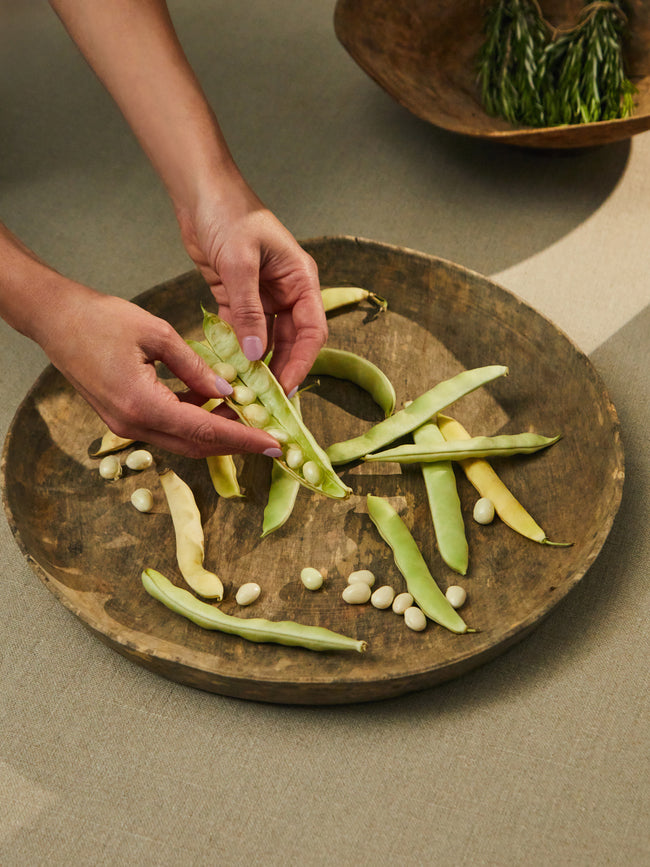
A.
pixel 415 619
pixel 364 576
pixel 383 597
pixel 401 602
pixel 311 578
pixel 142 499
pixel 140 459
pixel 456 596
pixel 357 593
pixel 110 467
pixel 248 593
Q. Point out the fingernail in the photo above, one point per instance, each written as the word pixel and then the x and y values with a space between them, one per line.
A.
pixel 293 392
pixel 273 453
pixel 253 348
pixel 222 385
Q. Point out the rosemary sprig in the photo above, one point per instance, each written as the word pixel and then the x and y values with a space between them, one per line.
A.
pixel 532 74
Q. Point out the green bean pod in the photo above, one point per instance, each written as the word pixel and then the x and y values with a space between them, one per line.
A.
pixel 335 297
pixel 411 564
pixel 444 502
pixel 502 446
pixel 417 413
pixel 282 493
pixel 252 629
pixel 224 347
pixel 342 364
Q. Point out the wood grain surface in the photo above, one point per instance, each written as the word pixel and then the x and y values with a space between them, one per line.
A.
pixel 88 544
pixel 423 53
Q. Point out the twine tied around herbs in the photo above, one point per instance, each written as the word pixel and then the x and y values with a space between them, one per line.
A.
pixel 534 74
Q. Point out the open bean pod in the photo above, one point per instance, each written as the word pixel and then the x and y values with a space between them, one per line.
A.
pixel 259 401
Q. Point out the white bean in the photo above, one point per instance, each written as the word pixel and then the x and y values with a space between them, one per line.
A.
pixel 484 511
pixel 456 596
pixel 110 467
pixel 225 370
pixel 364 576
pixel 142 499
pixel 278 434
pixel 140 459
pixel 312 473
pixel 357 593
pixel 294 457
pixel 415 619
pixel 247 593
pixel 311 578
pixel 256 415
pixel 243 395
pixel 401 602
pixel 383 597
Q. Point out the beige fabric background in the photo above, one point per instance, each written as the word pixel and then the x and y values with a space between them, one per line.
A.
pixel 540 757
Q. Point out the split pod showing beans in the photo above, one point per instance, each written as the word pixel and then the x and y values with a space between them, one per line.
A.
pixel 272 410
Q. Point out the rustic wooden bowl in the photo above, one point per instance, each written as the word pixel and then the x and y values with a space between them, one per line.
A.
pixel 89 545
pixel 423 53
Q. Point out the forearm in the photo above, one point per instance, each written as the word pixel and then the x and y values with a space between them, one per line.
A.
pixel 31 293
pixel 132 47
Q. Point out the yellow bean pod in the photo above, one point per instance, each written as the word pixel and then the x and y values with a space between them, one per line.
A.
pixel 190 542
pixel 483 477
pixel 111 443
pixel 335 297
pixel 223 474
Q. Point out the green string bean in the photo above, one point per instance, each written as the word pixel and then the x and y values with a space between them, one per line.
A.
pixel 500 446
pixel 283 491
pixel 410 562
pixel 417 413
pixel 342 364
pixel 252 629
pixel 444 502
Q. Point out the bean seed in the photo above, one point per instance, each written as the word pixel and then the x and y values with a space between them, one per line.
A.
pixel 484 511
pixel 415 619
pixel 311 471
pixel 142 499
pixel 243 395
pixel 256 415
pixel 311 578
pixel 401 602
pixel 110 467
pixel 140 459
pixel 248 593
pixel 278 434
pixel 357 593
pixel 456 596
pixel 383 597
pixel 294 457
pixel 365 576
pixel 225 370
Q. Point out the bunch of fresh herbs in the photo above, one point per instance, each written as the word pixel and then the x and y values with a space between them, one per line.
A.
pixel 533 74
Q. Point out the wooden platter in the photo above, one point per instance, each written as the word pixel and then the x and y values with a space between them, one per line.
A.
pixel 423 53
pixel 88 544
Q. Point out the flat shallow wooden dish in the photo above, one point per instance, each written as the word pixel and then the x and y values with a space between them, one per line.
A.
pixel 89 545
pixel 423 53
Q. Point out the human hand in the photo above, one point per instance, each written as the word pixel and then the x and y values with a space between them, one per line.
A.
pixel 106 347
pixel 266 285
